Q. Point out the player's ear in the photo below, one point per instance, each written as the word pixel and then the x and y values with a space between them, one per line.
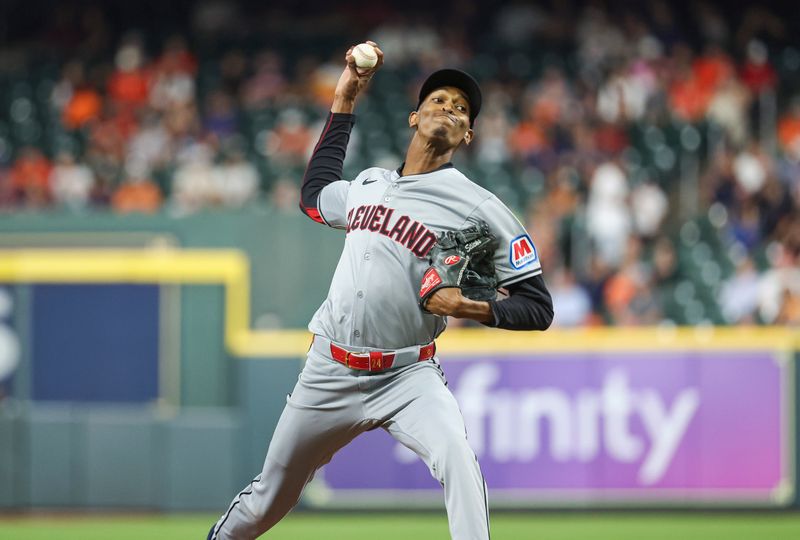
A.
pixel 413 119
pixel 468 136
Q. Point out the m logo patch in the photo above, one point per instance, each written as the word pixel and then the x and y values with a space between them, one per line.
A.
pixel 522 252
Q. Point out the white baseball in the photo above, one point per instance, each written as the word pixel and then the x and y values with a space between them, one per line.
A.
pixel 365 56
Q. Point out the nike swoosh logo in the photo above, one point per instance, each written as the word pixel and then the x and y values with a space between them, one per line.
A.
pixel 365 182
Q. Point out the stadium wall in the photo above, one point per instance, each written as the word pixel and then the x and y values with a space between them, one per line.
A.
pixel 151 377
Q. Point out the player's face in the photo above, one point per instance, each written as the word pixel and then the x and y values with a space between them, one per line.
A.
pixel 444 116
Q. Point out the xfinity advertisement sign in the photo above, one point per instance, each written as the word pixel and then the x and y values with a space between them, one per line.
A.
pixel 583 427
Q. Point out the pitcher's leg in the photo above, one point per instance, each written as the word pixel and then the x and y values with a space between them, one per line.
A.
pixel 320 417
pixel 432 426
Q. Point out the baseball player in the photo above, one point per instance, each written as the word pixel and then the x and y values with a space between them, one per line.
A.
pixel 372 361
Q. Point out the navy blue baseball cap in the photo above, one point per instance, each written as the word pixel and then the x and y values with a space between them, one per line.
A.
pixel 457 79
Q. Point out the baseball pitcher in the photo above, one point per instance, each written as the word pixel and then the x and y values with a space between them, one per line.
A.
pixel 423 242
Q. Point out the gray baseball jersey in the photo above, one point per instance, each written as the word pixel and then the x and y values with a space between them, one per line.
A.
pixel 392 222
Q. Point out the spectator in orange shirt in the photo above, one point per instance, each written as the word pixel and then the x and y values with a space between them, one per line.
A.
pixel 526 139
pixel 291 139
pixel 688 98
pixel 627 294
pixel 84 105
pixel 76 99
pixel 29 178
pixel 696 81
pixel 712 68
pixel 789 130
pixel 137 195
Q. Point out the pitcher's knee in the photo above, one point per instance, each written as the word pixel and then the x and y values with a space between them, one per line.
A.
pixel 457 455
pixel 267 500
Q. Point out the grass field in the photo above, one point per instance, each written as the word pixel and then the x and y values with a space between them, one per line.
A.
pixel 538 526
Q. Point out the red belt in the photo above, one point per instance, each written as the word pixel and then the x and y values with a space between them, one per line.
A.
pixel 375 360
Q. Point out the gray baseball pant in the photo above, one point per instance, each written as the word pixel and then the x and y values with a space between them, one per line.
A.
pixel 331 405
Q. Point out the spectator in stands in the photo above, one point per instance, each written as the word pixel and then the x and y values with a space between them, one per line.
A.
pixel 728 108
pixel 84 106
pixel 110 133
pixel 285 195
pixel 172 76
pixel 150 148
pixel 789 130
pixel 527 139
pixel 751 168
pixel 232 71
pixel 193 182
pixel 665 275
pixel 775 206
pixel 745 225
pixel 182 124
pixel 628 293
pixel 136 194
pixel 71 183
pixel 267 83
pixel 72 75
pixel 623 97
pixel 129 84
pixel 779 288
pixel 289 142
pixel 323 81
pixel 30 178
pixel 608 215
pixel 756 71
pixel 649 206
pixel 221 116
pixel 106 151
pixel 574 304
pixel 789 314
pixel 739 293
pixel 491 146
pixel 712 68
pixel 235 179
pixel 7 196
pixel 688 97
pixel 75 97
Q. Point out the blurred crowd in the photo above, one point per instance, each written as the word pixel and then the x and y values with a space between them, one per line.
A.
pixel 655 157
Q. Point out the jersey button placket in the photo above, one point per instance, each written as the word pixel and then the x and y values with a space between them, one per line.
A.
pixel 358 311
pixel 389 191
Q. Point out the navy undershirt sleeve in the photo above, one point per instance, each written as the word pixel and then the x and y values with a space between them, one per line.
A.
pixel 326 163
pixel 529 306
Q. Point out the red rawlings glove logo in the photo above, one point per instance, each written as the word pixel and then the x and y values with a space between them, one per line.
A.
pixel 452 259
pixel 430 280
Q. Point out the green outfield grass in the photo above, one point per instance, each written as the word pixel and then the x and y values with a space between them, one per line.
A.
pixel 538 526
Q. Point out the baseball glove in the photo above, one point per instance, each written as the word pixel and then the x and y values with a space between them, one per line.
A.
pixel 462 259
